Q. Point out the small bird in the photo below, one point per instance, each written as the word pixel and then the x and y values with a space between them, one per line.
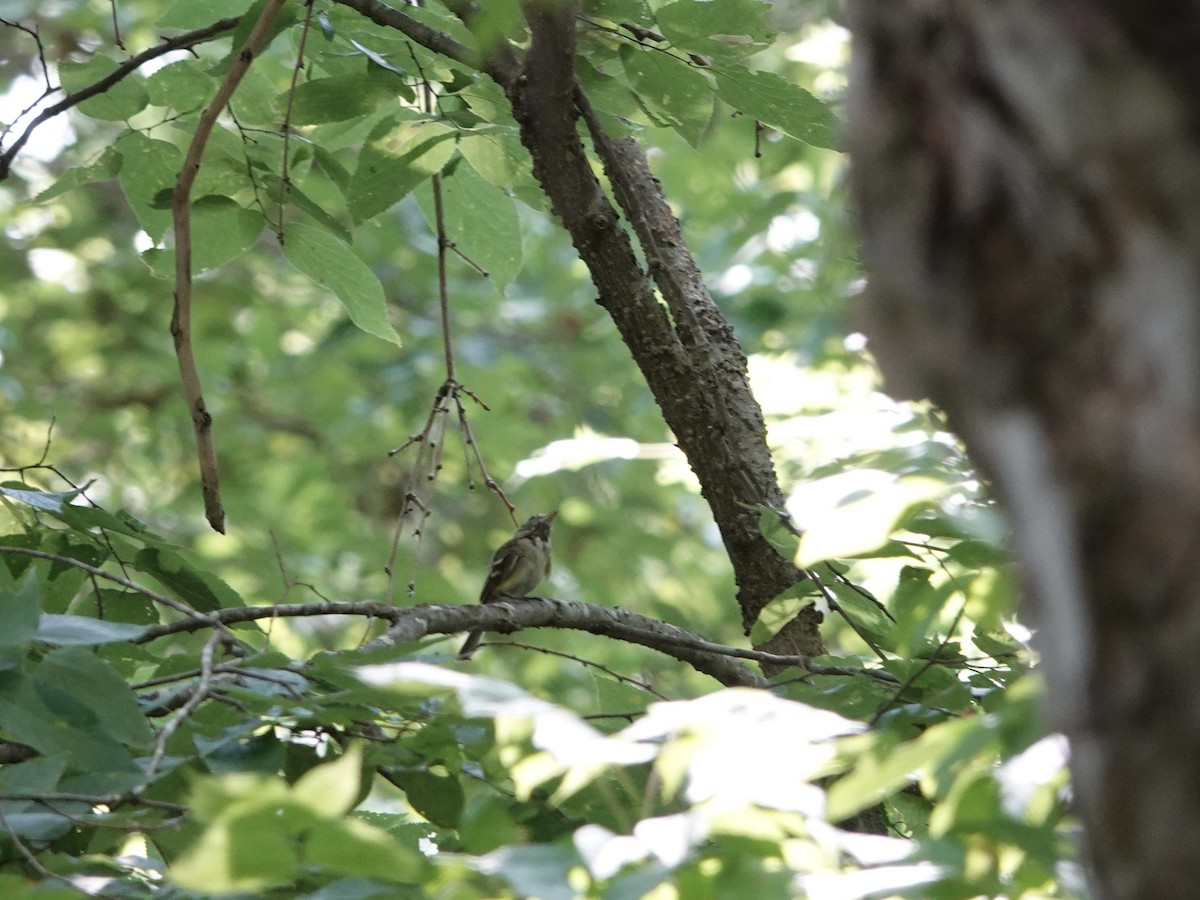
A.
pixel 520 565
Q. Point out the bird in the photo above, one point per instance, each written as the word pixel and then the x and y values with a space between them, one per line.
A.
pixel 519 565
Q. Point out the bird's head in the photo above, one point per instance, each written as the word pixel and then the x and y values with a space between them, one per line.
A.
pixel 538 526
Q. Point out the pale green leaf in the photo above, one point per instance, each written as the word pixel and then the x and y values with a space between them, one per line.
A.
pixel 854 512
pixel 332 789
pixel 222 230
pixel 481 221
pixel 182 86
pixel 876 776
pixel 769 99
pixel 20 611
pixel 66 629
pixel 333 264
pixel 397 157
pixel 104 168
pixel 149 169
pixel 125 98
pixel 342 97
pixel 672 89
pixel 190 14
pixel 731 29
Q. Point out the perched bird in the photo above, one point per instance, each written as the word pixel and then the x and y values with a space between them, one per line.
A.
pixel 520 565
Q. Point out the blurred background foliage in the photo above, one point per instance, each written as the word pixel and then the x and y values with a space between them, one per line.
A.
pixel 307 406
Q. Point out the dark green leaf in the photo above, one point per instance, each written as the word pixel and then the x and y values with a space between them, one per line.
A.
pixel 202 590
pixel 438 798
pixel 343 96
pixel 94 683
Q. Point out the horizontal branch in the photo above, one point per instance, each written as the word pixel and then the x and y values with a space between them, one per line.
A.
pixel 412 623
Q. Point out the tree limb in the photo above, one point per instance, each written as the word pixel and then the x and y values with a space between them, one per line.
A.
pixel 693 365
pixel 181 214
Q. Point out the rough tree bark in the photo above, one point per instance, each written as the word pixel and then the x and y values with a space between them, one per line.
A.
pixel 1028 179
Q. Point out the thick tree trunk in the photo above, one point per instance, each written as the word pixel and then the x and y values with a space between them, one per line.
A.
pixel 1028 177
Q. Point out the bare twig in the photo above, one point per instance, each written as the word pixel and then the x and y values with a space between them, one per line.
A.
pixel 285 129
pixel 181 320
pixel 198 695
pixel 29 855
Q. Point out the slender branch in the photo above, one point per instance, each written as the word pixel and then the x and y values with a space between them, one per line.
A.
pixel 198 694
pixel 202 620
pixel 181 320
pixel 180 42
pixel 429 38
pixel 170 602
pixel 410 624
pixel 29 856
pixel 285 128
pixel 112 801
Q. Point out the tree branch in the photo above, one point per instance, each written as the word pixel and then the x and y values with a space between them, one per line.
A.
pixel 179 42
pixel 181 320
pixel 429 38
pixel 693 365
pixel 410 624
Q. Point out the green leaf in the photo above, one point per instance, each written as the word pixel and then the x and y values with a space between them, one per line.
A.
pixel 398 156
pixel 93 682
pixel 47 501
pixel 333 264
pixel 221 230
pixel 354 847
pixel 38 712
pixel 182 86
pixel 671 88
pixel 481 221
pixel 20 611
pixel 767 98
pixel 65 630
pixel 342 97
pixel 636 11
pixel 334 788
pixel 190 14
pixel 496 154
pixel 124 99
pixel 202 590
pixel 149 169
pixel 237 752
pixel 438 798
pixel 731 29
pixel 534 870
pixel 876 776
pixel 487 824
pixel 856 512
pixel 248 853
pixel 104 168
